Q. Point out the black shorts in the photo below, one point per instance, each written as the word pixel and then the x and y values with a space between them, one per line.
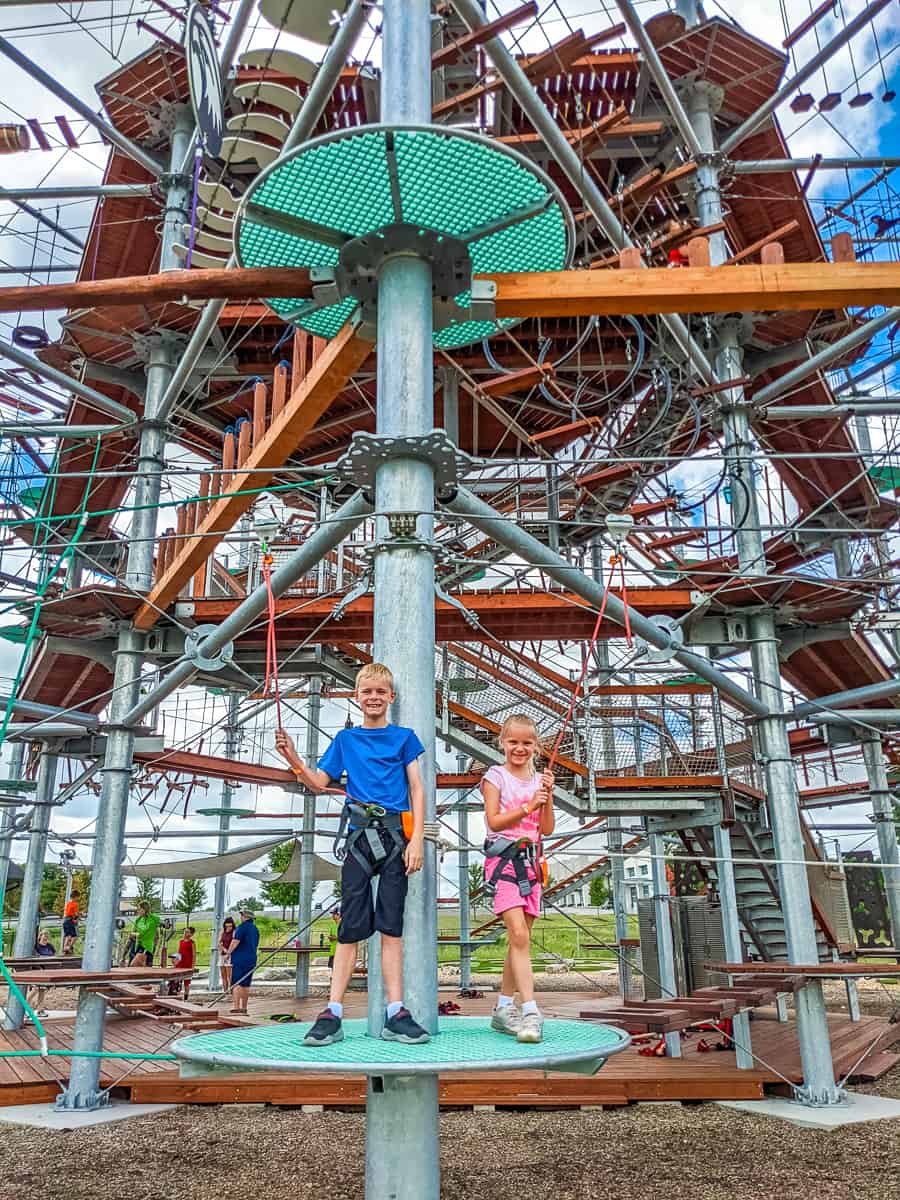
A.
pixel 70 929
pixel 360 917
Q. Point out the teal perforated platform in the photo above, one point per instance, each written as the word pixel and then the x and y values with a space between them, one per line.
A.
pixel 362 180
pixel 463 1044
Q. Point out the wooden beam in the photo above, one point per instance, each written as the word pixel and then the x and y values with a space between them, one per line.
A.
pixel 329 375
pixel 166 287
pixel 454 50
pixel 776 288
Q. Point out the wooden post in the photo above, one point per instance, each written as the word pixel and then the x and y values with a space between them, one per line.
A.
pixel 279 388
pixel 772 255
pixel 630 259
pixel 842 248
pixel 298 371
pixel 229 450
pixel 245 431
pixel 698 252
pixel 203 503
pixel 181 521
pixel 259 412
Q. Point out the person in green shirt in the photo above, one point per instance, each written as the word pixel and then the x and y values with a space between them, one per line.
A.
pixel 146 932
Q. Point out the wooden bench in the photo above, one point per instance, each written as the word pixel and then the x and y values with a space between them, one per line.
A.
pixel 643 1020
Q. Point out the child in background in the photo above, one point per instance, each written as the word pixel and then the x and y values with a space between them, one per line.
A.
pixel 518 810
pixel 384 786
pixel 186 956
pixel 70 923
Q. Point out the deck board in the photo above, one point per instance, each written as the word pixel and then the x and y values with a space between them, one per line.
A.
pixel 626 1078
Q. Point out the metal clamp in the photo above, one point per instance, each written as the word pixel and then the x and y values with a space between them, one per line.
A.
pixel 337 613
pixel 469 617
pixel 204 662
pixel 675 640
pixel 368 451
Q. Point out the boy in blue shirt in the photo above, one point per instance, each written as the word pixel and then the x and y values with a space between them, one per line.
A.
pixel 384 785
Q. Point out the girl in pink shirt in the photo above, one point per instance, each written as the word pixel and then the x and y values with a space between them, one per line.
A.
pixel 518 804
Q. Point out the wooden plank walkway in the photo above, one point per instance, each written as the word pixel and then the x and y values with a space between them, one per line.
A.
pixel 627 1077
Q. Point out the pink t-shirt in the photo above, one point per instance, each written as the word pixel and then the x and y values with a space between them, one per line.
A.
pixel 513 794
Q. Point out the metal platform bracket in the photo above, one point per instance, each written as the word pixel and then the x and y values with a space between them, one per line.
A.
pixel 345 203
pixel 368 451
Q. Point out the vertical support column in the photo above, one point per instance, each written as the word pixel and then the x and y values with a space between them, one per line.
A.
pixel 775 752
pixel 404 1112
pixel 30 897
pixel 665 950
pixel 232 739
pixel 465 950
pixel 8 822
pixel 83 1091
pixel 734 947
pixel 882 811
pixel 702 101
pixel 308 837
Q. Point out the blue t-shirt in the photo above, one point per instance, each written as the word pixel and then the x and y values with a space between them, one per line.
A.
pixel 247 935
pixel 375 762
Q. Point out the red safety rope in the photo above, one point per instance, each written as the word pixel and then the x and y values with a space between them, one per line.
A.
pixel 616 560
pixel 271 641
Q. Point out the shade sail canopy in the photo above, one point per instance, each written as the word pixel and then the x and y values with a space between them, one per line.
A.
pixel 207 867
pixel 322 870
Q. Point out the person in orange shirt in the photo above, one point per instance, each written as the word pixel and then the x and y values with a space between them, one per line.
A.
pixel 70 924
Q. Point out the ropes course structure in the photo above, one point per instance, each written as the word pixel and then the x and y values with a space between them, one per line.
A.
pixel 549 357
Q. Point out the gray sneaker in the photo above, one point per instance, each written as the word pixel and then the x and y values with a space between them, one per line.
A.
pixel 531 1027
pixel 507 1019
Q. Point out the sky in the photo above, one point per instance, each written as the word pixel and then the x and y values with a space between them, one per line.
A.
pixel 80 44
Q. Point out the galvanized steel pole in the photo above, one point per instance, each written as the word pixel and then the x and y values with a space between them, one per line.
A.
pixel 883 813
pixel 665 949
pixel 308 837
pixel 83 1091
pixel 30 895
pixel 231 749
pixel 407 1109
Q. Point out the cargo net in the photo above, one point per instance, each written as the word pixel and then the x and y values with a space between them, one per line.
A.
pixel 650 735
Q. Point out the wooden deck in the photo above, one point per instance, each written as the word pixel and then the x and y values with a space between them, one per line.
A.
pixel 626 1078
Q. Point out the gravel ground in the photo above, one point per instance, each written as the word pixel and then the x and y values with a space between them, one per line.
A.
pixel 653 1151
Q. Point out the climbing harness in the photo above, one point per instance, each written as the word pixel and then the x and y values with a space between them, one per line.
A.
pixel 517 853
pixel 384 832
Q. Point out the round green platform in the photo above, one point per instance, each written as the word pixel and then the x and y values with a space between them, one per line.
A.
pixel 364 180
pixel 463 1044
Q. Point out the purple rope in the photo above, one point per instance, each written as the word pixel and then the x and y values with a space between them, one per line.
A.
pixel 198 160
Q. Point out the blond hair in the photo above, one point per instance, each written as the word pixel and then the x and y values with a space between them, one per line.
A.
pixel 521 719
pixel 374 670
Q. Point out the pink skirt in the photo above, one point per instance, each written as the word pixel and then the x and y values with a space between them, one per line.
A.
pixel 508 895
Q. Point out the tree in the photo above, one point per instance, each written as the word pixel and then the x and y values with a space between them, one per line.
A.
pixel 148 893
pixel 53 878
pixel 599 891
pixel 281 895
pixel 476 878
pixel 81 883
pixel 251 904
pixel 191 897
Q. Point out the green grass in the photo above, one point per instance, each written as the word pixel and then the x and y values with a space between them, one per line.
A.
pixel 554 937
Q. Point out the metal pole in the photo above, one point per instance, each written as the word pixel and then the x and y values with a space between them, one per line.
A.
pixel 54 429
pixel 341 523
pixel 109 190
pixel 524 546
pixel 689 10
pixel 836 350
pixel 405 1112
pixel 756 119
pixel 775 751
pixel 30 895
pixel 8 823
pixel 83 1090
pixel 561 149
pixel 777 166
pixel 703 99
pixel 860 695
pixel 58 229
pixel 307 118
pixel 652 61
pixel 232 740
pixel 465 950
pixel 665 949
pixel 94 399
pixel 828 412
pixel 308 835
pixel 883 814
pixel 109 132
pixel 734 946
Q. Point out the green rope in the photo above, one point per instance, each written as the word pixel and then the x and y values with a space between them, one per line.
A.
pixel 67 553
pixel 14 990
pixel 19 522
pixel 87 1054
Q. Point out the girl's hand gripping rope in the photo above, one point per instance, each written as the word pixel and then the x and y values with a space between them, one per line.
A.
pixel 548 782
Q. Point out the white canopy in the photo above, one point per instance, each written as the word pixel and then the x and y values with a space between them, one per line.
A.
pixel 322 870
pixel 207 867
